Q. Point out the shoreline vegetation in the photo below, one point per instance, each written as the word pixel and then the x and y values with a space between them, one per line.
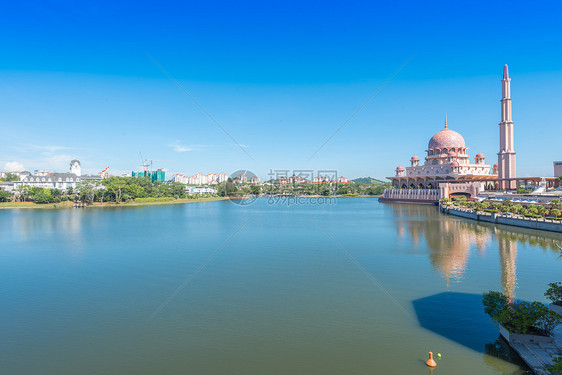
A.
pixel 551 211
pixel 132 203
pixel 142 191
pixel 532 216
pixel 150 202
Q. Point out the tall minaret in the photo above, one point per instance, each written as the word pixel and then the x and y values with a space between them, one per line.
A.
pixel 506 156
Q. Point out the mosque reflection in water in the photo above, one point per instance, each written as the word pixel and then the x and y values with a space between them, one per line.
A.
pixel 449 241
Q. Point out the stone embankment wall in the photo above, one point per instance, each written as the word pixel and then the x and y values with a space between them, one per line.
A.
pixel 423 196
pixel 542 224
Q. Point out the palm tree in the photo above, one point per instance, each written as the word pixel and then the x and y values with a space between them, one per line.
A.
pixel 517 208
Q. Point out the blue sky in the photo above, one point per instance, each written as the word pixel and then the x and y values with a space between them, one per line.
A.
pixel 77 80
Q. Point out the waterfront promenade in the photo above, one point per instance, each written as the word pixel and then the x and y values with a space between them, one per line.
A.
pixel 538 354
pixel 506 219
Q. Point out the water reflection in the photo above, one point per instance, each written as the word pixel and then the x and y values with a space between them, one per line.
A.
pixel 501 349
pixel 450 239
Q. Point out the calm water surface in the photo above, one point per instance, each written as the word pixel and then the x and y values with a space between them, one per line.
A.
pixel 355 287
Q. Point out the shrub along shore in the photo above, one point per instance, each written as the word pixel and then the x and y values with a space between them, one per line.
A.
pixel 136 202
pixel 552 211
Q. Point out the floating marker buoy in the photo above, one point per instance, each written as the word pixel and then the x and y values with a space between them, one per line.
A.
pixel 439 355
pixel 430 362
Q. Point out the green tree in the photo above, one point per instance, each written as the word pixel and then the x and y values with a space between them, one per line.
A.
pixel 227 189
pixel 556 368
pixel 521 316
pixel 554 293
pixel 517 208
pixel 255 189
pixel 542 210
pixel 115 185
pixel 41 195
pixel 23 192
pixel 85 191
pixel 5 196
pixel 10 177
pixel 56 193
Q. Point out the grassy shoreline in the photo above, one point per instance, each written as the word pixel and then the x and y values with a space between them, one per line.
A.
pixel 63 205
pixel 155 202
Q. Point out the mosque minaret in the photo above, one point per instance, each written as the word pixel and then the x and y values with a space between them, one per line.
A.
pixel 447 171
pixel 506 156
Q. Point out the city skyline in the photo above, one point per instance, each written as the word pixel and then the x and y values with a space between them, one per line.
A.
pixel 287 87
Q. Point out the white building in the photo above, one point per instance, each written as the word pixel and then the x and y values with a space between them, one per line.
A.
pixel 343 180
pixel 201 179
pixel 51 180
pixel 201 190
pixel 60 181
pixel 76 168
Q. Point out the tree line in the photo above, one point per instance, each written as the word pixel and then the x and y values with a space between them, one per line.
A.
pixel 229 188
pixel 124 189
pixel 112 189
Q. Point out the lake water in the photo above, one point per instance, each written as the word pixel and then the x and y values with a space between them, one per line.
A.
pixel 352 287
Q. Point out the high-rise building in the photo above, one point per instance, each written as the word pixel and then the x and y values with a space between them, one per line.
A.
pixel 558 169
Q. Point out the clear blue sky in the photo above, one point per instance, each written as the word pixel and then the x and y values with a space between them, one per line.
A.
pixel 77 81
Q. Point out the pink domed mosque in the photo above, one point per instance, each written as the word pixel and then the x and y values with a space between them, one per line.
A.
pixel 446 159
pixel 447 169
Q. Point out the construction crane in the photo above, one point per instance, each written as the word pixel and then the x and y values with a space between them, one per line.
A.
pixel 145 165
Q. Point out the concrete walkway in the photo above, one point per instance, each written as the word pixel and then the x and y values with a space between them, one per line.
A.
pixel 539 355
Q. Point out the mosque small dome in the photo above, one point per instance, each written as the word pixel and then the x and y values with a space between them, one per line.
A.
pixel 414 158
pixel 452 153
pixel 399 168
pixel 446 138
pixel 454 164
pixel 479 156
pixel 496 165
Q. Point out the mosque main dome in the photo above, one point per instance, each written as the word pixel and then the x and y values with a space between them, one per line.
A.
pixel 446 138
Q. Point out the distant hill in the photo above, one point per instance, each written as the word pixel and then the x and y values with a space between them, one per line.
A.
pixel 368 181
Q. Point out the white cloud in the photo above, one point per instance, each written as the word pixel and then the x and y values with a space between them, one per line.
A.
pixel 13 166
pixel 177 146
pixel 180 148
